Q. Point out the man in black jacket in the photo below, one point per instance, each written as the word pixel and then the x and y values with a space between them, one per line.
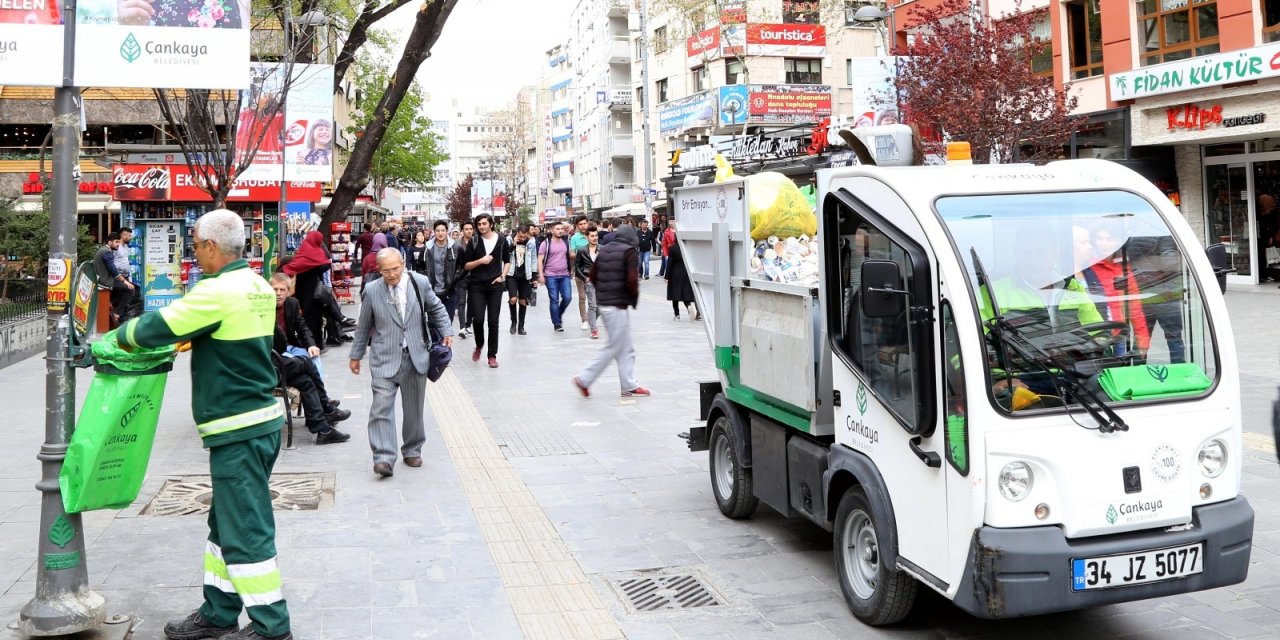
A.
pixel 297 350
pixel 617 285
pixel 645 246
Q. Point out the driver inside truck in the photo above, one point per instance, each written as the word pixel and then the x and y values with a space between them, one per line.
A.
pixel 1043 298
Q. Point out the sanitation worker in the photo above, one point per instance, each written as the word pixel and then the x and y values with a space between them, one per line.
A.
pixel 229 318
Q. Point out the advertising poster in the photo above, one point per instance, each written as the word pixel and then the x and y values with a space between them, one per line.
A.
pixel 162 264
pixel 175 183
pixel 175 44
pixel 678 116
pixel 297 140
pixel 733 105
pixel 873 91
pixel 30 43
pixel 488 196
pixel 706 42
pixel 789 103
pixel 786 40
pixel 733 40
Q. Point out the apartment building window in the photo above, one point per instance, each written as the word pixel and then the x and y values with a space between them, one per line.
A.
pixel 1084 24
pixel 803 71
pixel 1177 29
pixel 1041 36
pixel 660 88
pixel 660 43
pixel 800 11
pixel 699 78
pixel 733 72
pixel 1271 20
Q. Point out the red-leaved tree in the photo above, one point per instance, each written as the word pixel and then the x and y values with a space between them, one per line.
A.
pixel 458 204
pixel 972 77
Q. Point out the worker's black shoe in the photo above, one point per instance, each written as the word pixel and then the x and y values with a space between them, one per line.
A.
pixel 248 633
pixel 195 627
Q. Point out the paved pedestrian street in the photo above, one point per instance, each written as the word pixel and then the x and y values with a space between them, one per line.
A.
pixel 539 514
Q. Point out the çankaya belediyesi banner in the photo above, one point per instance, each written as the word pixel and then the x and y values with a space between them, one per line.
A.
pixel 181 44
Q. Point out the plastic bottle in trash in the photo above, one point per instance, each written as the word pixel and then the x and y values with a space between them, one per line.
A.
pixel 193 276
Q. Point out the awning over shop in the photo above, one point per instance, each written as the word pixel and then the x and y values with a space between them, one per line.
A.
pixel 82 206
pixel 630 209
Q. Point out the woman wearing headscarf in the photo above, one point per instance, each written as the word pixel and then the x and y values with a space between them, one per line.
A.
pixel 679 288
pixel 369 264
pixel 308 267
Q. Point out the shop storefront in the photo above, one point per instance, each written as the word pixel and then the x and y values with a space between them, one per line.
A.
pixel 1225 135
pixel 161 203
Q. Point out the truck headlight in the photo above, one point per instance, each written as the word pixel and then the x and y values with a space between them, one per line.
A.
pixel 1015 481
pixel 1212 458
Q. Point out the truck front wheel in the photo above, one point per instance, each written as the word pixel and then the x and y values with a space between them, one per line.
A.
pixel 730 481
pixel 876 593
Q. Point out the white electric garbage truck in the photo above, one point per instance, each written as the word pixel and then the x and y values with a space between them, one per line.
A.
pixel 1015 385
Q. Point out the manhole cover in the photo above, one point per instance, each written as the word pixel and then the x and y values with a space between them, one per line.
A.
pixel 665 592
pixel 191 495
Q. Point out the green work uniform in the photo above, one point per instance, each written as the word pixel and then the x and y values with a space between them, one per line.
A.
pixel 229 317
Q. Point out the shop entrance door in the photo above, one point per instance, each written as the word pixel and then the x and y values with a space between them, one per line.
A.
pixel 1230 219
pixel 1266 185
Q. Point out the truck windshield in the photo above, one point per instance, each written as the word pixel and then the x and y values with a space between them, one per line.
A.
pixel 1081 294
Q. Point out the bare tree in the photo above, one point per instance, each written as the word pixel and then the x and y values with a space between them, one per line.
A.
pixel 509 144
pixel 427 27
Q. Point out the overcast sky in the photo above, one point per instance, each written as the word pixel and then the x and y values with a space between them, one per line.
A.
pixel 488 50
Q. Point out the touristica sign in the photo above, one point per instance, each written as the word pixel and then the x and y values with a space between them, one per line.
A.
pixel 1197 73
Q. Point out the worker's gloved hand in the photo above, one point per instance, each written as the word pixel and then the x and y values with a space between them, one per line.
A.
pixel 184 346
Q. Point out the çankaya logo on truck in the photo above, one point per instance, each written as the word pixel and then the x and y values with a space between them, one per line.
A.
pixel 856 425
pixel 172 52
pixel 1134 511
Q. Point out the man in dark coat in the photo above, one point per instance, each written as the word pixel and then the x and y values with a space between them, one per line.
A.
pixel 296 347
pixel 617 285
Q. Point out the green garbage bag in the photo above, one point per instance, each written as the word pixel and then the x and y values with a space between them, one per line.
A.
pixel 1149 382
pixel 109 451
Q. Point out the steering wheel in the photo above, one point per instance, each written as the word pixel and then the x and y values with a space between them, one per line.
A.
pixel 1104 333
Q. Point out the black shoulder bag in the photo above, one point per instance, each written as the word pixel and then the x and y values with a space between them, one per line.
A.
pixel 438 354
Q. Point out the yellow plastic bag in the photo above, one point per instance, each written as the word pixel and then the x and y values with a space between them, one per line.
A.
pixel 778 206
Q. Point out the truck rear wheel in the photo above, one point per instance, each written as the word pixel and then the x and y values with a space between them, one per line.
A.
pixel 730 481
pixel 876 593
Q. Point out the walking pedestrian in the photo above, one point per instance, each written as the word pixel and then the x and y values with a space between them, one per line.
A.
pixel 364 244
pixel 419 252
pixel 615 277
pixel 578 242
pixel 393 329
pixel 668 239
pixel 554 260
pixel 229 318
pixel 679 288
pixel 441 269
pixel 522 272
pixel 643 249
pixel 369 266
pixel 583 262
pixel 465 238
pixel 486 261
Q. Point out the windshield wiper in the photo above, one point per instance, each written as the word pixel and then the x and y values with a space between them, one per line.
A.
pixel 1009 336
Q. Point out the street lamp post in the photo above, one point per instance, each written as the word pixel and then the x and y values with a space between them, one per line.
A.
pixel 868 14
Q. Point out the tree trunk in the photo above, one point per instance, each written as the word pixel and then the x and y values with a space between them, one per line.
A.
pixel 426 31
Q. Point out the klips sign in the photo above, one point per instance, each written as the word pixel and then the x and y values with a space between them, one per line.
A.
pixel 1197 118
pixel 175 183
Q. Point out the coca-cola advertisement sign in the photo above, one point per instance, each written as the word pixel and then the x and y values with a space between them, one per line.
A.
pixel 707 41
pixel 141 182
pixel 176 183
pixel 786 40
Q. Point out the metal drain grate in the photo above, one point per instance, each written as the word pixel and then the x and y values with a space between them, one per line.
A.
pixel 191 495
pixel 666 592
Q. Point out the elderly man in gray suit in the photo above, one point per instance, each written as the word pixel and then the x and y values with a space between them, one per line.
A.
pixel 391 325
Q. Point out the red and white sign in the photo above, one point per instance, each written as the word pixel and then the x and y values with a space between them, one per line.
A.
pixel 786 40
pixel 175 183
pixel 795 103
pixel 33 185
pixel 707 41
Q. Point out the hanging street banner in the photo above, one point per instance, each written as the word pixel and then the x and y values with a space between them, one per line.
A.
pixel 297 140
pixel 167 44
pixel 874 100
pixel 786 40
pixel 677 116
pixel 790 103
pixel 706 42
pixel 30 43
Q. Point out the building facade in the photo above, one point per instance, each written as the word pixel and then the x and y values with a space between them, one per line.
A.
pixel 1193 85
pixel 601 51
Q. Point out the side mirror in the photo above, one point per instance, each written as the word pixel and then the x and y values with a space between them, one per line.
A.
pixel 1217 254
pixel 880 295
